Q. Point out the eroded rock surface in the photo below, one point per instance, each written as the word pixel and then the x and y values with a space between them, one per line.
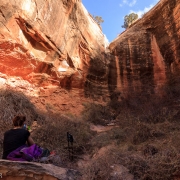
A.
pixel 52 42
pixel 59 43
pixel 148 52
pixel 28 170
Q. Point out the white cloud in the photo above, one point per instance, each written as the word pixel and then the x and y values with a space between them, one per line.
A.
pixel 146 9
pixel 132 3
pixel 129 3
pixel 125 1
pixel 141 12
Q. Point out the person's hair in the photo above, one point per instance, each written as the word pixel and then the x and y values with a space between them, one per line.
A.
pixel 19 120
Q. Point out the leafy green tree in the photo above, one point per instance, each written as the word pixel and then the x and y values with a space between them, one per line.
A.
pixel 98 19
pixel 129 19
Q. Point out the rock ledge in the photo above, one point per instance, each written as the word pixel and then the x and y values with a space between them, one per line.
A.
pixel 30 170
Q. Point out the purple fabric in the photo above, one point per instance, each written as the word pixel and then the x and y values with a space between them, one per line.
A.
pixel 32 152
pixel 25 153
pixel 16 155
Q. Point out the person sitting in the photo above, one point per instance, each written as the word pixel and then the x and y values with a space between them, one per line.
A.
pixel 17 137
pixel 18 145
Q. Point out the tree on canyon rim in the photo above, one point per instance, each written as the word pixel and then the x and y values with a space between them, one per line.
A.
pixel 129 19
pixel 98 19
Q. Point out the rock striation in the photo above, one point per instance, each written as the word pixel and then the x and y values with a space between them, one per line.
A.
pixel 28 170
pixel 52 42
pixel 58 43
pixel 148 52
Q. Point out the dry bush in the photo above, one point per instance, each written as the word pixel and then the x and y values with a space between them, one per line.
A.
pixel 146 141
pixel 142 134
pixel 12 104
pixel 97 114
pixel 98 169
pixel 162 165
pixel 118 135
pixel 101 140
pixel 148 106
pixel 114 136
pixel 101 168
pixel 53 135
pixel 172 86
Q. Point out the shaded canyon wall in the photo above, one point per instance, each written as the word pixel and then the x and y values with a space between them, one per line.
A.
pixel 148 52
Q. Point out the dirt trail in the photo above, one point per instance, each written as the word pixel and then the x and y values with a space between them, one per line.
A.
pixel 99 128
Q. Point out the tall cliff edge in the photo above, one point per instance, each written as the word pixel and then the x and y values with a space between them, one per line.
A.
pixel 148 52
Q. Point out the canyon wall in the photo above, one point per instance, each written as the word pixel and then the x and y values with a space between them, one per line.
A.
pixel 58 43
pixel 148 52
pixel 52 42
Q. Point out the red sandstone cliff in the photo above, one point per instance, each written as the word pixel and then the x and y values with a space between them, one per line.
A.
pixel 149 51
pixel 58 42
pixel 51 42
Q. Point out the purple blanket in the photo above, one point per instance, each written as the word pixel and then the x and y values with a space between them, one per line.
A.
pixel 25 153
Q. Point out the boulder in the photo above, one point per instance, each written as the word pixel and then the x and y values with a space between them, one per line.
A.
pixel 31 170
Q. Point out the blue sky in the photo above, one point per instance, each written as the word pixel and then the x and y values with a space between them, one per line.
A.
pixel 113 12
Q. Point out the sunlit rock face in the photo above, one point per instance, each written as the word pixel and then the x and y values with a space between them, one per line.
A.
pixel 52 42
pixel 149 51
